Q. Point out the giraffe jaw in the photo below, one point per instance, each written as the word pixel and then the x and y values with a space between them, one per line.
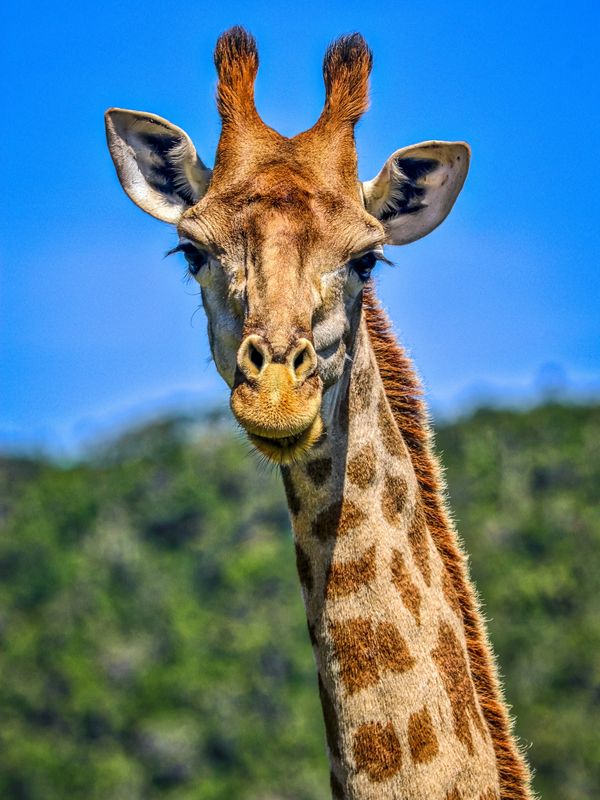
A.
pixel 288 449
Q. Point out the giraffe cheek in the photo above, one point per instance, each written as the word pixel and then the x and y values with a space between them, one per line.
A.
pixel 224 336
pixel 331 368
pixel 223 349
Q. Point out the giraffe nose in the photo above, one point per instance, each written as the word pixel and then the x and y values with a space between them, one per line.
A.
pixel 257 357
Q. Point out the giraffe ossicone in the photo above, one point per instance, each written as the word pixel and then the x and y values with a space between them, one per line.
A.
pixel 282 238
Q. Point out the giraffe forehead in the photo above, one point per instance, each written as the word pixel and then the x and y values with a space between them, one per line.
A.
pixel 283 214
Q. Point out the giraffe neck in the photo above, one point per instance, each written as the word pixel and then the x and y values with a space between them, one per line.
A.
pixel 403 713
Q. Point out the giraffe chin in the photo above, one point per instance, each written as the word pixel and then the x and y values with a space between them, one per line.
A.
pixel 288 449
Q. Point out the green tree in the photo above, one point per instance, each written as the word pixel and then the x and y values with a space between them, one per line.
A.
pixel 152 636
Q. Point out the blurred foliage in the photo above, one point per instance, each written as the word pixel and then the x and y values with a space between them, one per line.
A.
pixel 525 490
pixel 152 635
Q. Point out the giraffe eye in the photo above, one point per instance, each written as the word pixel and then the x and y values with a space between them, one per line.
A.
pixel 196 259
pixel 363 265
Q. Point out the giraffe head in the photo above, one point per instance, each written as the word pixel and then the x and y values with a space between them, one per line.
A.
pixel 281 235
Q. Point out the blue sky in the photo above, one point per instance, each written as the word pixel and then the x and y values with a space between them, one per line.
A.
pixel 97 329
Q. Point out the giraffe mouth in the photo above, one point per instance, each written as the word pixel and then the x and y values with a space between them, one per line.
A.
pixel 288 449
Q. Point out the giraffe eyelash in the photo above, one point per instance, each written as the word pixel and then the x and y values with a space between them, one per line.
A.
pixel 364 264
pixel 196 258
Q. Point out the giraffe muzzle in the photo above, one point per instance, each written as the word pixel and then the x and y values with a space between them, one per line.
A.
pixel 277 397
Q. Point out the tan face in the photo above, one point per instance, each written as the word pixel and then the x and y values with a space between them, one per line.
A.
pixel 281 235
pixel 281 263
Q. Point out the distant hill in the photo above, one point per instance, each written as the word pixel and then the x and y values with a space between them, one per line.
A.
pixel 152 636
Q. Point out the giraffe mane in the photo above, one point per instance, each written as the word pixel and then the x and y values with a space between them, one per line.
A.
pixel 404 393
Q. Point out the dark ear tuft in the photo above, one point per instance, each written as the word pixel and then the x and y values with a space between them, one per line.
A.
pixel 408 195
pixel 156 162
pixel 416 188
pixel 416 168
pixel 236 60
pixel 346 69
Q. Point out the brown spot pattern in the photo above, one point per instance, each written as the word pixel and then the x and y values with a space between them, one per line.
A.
pixel 304 568
pixel 345 577
pixel 409 591
pixel 393 650
pixel 388 430
pixel 362 467
pixel 319 470
pixel 404 393
pixel 325 523
pixel 450 659
pixel 489 794
pixel 351 517
pixel 356 652
pixel 450 593
pixel 332 731
pixel 377 751
pixel 290 492
pixel 418 540
pixel 454 794
pixel 422 740
pixel 361 389
pixel 337 519
pixel 363 652
pixel 393 498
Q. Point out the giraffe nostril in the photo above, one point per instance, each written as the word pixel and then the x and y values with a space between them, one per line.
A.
pixel 256 357
pixel 299 360
pixel 303 361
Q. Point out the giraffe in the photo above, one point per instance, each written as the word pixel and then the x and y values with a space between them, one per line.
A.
pixel 282 239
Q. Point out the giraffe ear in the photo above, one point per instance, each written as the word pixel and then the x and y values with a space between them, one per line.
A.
pixel 156 163
pixel 416 188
